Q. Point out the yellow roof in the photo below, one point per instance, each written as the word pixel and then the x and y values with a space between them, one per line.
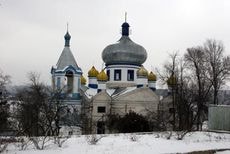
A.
pixel 93 72
pixel 83 80
pixel 152 77
pixel 171 81
pixel 142 71
pixel 102 76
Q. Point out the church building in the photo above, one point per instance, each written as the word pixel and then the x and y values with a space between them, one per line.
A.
pixel 124 84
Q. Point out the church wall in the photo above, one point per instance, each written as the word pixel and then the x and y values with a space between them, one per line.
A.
pixel 76 83
pixel 100 101
pixel 152 84
pixel 93 82
pixel 140 101
pixel 101 85
pixel 59 81
pixel 123 107
pixel 142 81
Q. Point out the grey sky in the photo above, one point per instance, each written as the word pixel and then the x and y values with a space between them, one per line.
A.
pixel 32 31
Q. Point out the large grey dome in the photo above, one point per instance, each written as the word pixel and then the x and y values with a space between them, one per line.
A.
pixel 124 52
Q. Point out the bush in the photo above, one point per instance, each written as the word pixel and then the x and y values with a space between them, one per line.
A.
pixel 113 122
pixel 131 122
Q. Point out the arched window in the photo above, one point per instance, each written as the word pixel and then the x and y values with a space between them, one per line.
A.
pixel 69 76
pixel 58 83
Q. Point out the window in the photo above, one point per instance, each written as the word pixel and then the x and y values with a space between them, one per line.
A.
pixel 108 74
pixel 78 83
pixel 130 75
pixel 53 82
pixel 101 109
pixel 69 75
pixel 58 83
pixel 117 75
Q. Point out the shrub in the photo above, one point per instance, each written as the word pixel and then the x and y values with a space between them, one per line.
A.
pixel 133 122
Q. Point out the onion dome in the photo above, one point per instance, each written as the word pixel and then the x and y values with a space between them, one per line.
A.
pixel 125 51
pixel 152 77
pixel 83 80
pixel 171 81
pixel 102 76
pixel 93 72
pixel 142 72
pixel 125 29
pixel 67 39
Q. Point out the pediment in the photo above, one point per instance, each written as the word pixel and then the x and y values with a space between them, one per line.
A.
pixel 102 96
pixel 139 94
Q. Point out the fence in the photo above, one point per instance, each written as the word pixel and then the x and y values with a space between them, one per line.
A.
pixel 219 117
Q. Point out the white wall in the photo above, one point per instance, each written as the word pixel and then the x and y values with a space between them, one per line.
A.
pixel 124 70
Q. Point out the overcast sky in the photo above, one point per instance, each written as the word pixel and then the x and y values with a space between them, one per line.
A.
pixel 32 31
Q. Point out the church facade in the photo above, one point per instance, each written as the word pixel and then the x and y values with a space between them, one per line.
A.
pixel 124 84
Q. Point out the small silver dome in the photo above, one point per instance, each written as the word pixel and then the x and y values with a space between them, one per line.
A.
pixel 124 52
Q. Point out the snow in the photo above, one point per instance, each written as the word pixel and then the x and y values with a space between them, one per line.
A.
pixel 110 91
pixel 91 92
pixel 126 90
pixel 143 143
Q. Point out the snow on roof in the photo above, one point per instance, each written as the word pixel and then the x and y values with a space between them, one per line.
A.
pixel 128 89
pixel 111 92
pixel 124 91
pixel 90 92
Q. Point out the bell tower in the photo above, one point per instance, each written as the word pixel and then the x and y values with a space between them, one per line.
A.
pixel 66 75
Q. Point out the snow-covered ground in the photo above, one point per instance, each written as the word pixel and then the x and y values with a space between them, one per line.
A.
pixel 134 144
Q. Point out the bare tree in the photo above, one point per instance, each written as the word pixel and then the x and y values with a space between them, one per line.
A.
pixel 184 93
pixel 33 99
pixel 218 65
pixel 195 58
pixel 173 75
pixel 170 68
pixel 4 107
pixel 38 112
pixel 42 110
pixel 169 75
pixel 177 74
